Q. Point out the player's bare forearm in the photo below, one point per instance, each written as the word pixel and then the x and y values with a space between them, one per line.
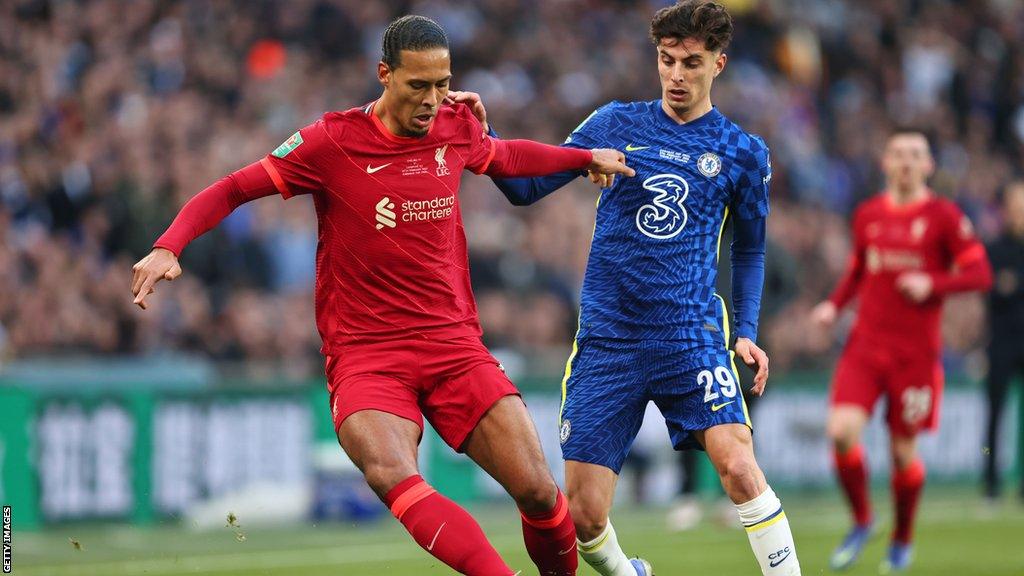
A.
pixel 160 264
pixel 756 359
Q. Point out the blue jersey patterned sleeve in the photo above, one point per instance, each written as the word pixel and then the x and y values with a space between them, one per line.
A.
pixel 751 195
pixel 591 133
pixel 526 191
pixel 747 257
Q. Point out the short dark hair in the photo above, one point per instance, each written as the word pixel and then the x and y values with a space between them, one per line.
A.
pixel 912 130
pixel 411 33
pixel 708 22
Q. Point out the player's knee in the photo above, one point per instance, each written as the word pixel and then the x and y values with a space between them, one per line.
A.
pixel 589 523
pixel 537 496
pixel 383 476
pixel 589 516
pixel 902 461
pixel 903 454
pixel 842 434
pixel 842 443
pixel 740 476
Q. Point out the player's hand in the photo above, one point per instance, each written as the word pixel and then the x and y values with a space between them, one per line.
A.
pixel 756 359
pixel 473 100
pixel 602 180
pixel 610 162
pixel 824 314
pixel 915 286
pixel 160 264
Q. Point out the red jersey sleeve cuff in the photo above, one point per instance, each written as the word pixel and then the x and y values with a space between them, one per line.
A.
pixel 275 177
pixel 974 253
pixel 161 243
pixel 490 156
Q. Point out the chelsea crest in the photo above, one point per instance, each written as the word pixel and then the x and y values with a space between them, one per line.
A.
pixel 709 164
pixel 564 431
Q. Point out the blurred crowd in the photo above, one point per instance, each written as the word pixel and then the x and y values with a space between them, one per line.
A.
pixel 114 113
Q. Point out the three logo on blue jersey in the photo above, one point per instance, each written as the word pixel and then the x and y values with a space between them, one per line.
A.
pixel 665 216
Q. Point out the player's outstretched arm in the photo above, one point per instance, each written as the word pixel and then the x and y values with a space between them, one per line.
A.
pixel 527 191
pixel 204 211
pixel 519 191
pixel 517 158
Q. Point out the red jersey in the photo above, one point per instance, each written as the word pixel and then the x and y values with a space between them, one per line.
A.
pixel 931 236
pixel 391 258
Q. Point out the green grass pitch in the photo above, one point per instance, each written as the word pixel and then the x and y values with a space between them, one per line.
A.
pixel 956 536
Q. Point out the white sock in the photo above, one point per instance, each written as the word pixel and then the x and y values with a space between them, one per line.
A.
pixel 769 534
pixel 604 554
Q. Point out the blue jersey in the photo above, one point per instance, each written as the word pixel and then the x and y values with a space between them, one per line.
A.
pixel 651 326
pixel 654 257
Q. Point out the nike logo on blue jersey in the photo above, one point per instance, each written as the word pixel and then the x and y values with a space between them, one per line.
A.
pixel 717 407
pixel 631 148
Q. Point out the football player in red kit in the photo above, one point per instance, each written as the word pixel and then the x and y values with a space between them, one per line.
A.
pixel 394 306
pixel 911 249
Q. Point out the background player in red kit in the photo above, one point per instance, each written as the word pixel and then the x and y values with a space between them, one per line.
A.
pixel 910 250
pixel 393 300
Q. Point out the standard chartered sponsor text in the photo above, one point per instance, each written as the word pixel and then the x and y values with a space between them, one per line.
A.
pixel 434 209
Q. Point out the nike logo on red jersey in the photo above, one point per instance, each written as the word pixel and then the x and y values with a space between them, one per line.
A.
pixel 372 169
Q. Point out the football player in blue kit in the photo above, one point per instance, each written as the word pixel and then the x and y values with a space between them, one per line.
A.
pixel 651 326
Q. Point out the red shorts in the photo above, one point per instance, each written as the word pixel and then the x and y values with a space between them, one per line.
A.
pixel 452 382
pixel 911 381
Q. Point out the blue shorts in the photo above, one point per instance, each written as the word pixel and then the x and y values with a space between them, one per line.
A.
pixel 609 382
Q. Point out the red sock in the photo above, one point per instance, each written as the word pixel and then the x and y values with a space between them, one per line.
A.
pixel 444 529
pixel 852 471
pixel 906 493
pixel 551 540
